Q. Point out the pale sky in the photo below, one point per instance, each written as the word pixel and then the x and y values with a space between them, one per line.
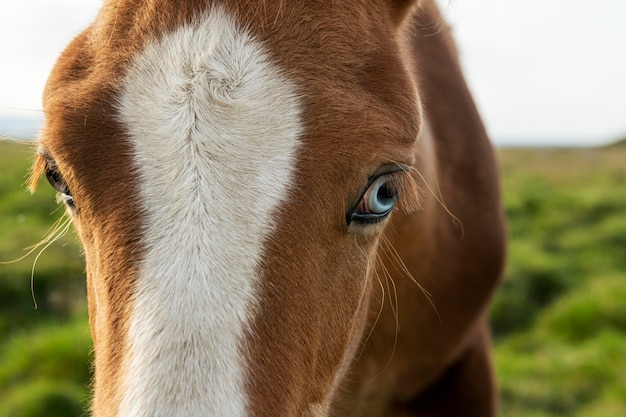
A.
pixel 549 72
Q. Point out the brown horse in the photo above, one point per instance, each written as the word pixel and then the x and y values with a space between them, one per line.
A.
pixel 288 208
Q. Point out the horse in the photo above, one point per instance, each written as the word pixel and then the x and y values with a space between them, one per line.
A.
pixel 287 208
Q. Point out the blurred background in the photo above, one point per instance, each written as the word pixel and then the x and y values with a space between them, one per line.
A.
pixel 549 79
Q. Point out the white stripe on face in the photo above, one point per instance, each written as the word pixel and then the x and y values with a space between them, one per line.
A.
pixel 215 129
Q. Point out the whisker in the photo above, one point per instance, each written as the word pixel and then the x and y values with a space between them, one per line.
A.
pixel 51 236
pixel 374 271
pixel 24 124
pixel 117 11
pixel 396 316
pixel 19 135
pixel 395 258
pixel 376 266
pixel 439 197
pixel 66 226
pixel 393 302
pixel 21 109
pixel 56 231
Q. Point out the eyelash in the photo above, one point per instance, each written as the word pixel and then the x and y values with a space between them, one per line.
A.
pixel 379 198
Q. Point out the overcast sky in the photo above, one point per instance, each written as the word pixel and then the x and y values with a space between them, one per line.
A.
pixel 542 71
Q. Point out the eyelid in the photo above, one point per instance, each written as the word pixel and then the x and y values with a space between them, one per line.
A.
pixel 44 153
pixel 396 174
pixel 388 169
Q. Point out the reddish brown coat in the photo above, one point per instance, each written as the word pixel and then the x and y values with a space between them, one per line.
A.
pixel 380 82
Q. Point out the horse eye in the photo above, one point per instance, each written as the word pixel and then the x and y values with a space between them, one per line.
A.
pixel 377 201
pixel 56 180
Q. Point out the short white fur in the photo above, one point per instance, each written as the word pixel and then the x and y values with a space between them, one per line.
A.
pixel 214 126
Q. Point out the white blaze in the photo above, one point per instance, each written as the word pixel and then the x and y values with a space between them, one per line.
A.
pixel 214 127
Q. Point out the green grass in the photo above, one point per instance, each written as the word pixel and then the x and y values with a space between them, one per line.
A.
pixel 44 354
pixel 45 370
pixel 559 318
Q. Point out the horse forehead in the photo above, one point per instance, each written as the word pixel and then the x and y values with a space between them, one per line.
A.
pixel 344 59
pixel 351 82
pixel 205 106
pixel 210 89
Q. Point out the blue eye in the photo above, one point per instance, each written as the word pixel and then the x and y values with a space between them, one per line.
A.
pixel 377 201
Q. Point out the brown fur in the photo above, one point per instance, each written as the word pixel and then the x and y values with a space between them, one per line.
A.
pixel 380 84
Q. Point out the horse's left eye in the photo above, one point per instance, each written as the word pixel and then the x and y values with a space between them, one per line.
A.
pixel 56 180
pixel 377 201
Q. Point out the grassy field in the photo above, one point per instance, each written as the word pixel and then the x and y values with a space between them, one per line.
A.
pixel 44 353
pixel 560 315
pixel 559 319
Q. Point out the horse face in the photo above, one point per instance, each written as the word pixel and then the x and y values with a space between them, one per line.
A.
pixel 229 176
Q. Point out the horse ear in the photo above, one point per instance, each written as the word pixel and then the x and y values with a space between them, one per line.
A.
pixel 401 8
